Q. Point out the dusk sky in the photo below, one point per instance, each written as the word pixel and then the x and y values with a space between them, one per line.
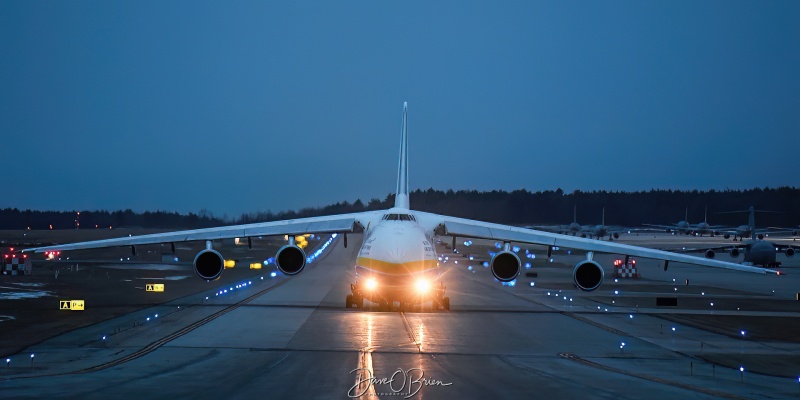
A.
pixel 246 106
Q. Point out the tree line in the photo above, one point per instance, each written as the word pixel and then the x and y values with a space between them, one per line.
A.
pixel 518 207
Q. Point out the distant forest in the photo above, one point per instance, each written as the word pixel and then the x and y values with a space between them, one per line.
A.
pixel 519 207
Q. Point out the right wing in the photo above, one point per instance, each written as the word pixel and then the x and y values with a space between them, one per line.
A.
pixel 460 227
pixel 343 223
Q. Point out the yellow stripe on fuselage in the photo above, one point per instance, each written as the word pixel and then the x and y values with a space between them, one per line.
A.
pixel 396 268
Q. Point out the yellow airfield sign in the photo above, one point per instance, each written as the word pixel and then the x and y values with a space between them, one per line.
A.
pixel 154 287
pixel 73 305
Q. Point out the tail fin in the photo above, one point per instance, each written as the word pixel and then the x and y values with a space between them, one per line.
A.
pixel 401 194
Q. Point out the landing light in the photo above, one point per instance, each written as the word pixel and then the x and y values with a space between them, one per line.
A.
pixel 423 285
pixel 371 284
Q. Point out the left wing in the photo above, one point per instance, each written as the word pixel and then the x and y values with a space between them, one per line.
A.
pixel 328 224
pixel 445 225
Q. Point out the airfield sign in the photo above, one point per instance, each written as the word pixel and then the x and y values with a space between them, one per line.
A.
pixel 154 287
pixel 73 305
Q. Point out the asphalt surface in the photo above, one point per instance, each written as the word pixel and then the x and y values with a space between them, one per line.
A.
pixel 292 338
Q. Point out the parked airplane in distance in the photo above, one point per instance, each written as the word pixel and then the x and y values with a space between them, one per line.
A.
pixel 584 231
pixel 744 231
pixel 397 261
pixel 756 251
pixel 684 227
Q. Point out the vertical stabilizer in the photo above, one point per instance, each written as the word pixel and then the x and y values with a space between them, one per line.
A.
pixel 751 222
pixel 401 194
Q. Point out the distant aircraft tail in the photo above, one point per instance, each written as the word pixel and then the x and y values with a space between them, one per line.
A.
pixel 401 194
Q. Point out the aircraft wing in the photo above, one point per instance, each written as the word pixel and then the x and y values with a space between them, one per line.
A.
pixel 670 227
pixel 328 224
pixel 484 230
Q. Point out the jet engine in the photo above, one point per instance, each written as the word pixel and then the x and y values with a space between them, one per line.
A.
pixel 208 264
pixel 789 252
pixel 616 235
pixel 290 259
pixel 588 275
pixel 505 266
pixel 727 236
pixel 760 236
pixel 734 252
pixel 710 253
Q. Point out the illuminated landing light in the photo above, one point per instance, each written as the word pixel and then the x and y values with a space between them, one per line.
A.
pixel 372 284
pixel 422 286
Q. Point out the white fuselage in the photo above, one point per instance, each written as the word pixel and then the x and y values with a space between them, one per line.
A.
pixel 396 253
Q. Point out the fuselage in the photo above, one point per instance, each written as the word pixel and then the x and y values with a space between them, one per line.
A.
pixel 397 260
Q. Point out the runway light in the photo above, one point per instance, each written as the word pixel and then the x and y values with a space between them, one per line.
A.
pixel 148 318
pixel 274 274
pixel 533 283
pixel 702 293
pixel 470 268
pixel 741 369
pixel 673 329
pixel 630 316
pixel 616 280
pixel 156 315
pixel 31 355
pixel 742 332
pixel 372 284
pixel 712 304
pixel 104 338
pixel 548 293
pixel 616 292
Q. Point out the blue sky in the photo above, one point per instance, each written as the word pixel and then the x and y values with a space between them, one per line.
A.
pixel 245 106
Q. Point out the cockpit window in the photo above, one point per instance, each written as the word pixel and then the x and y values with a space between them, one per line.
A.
pixel 399 217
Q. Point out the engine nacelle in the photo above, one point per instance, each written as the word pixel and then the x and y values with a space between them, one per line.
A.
pixel 734 252
pixel 209 264
pixel 616 235
pixel 760 236
pixel 789 252
pixel 290 259
pixel 505 266
pixel 588 275
pixel 710 253
pixel 727 236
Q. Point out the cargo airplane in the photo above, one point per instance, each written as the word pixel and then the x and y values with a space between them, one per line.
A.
pixel 397 261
